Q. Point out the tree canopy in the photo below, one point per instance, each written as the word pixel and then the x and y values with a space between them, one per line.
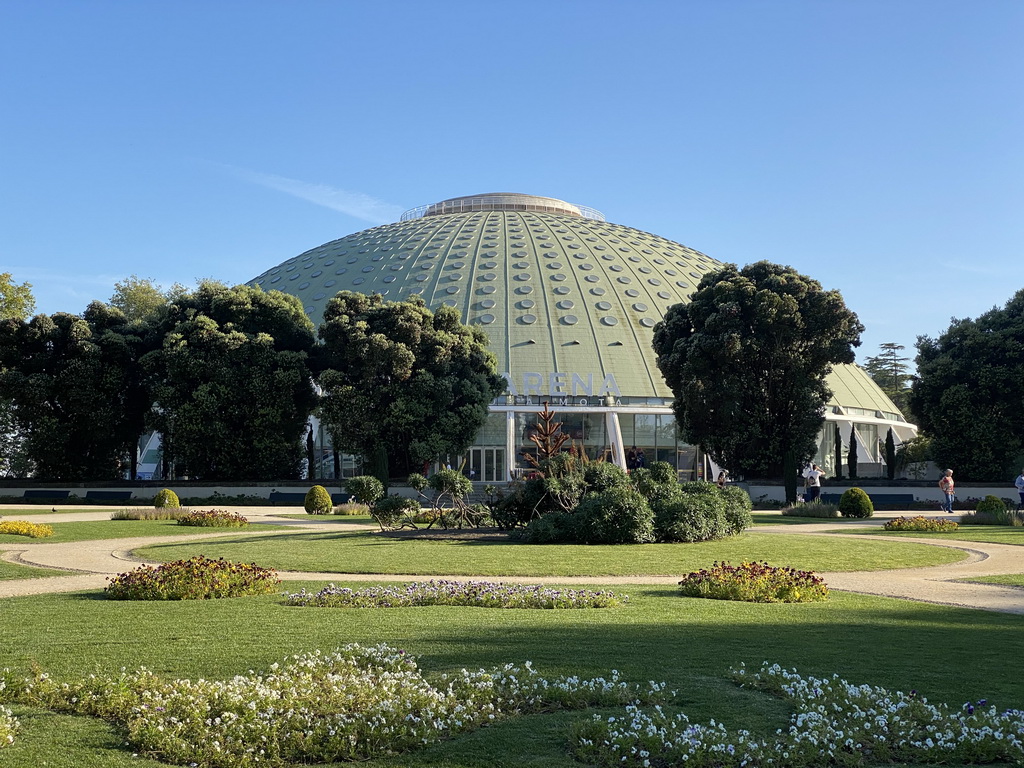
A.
pixel 747 359
pixel 889 370
pixel 969 394
pixel 232 383
pixel 140 299
pixel 401 382
pixel 16 301
pixel 78 400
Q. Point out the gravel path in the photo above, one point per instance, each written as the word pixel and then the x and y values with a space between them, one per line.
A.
pixel 91 563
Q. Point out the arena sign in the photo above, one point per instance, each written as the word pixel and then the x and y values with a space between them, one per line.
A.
pixel 558 384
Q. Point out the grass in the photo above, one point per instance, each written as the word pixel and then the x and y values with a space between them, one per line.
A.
pixel 656 636
pixel 1009 579
pixel 14 514
pixel 92 530
pixel 992 534
pixel 366 552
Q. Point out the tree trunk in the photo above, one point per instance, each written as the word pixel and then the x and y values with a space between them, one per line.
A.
pixel 789 475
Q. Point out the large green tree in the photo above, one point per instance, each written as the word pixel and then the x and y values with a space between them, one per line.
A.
pixel 969 394
pixel 140 299
pixel 403 385
pixel 16 303
pixel 232 383
pixel 747 359
pixel 889 370
pixel 78 397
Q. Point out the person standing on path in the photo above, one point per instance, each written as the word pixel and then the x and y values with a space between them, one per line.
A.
pixel 948 487
pixel 813 475
pixel 1019 483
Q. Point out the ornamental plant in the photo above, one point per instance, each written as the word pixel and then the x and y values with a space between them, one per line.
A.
pixel 167 513
pixel 834 723
pixel 194 579
pixel 814 509
pixel 8 727
pixel 166 498
pixel 25 528
pixel 318 501
pixel 213 518
pixel 356 703
pixel 480 594
pixel 395 512
pixel 754 583
pixel 856 503
pixel 351 508
pixel 921 523
pixel 365 488
pixel 994 508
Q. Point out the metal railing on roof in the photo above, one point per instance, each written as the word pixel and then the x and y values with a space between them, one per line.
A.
pixel 511 202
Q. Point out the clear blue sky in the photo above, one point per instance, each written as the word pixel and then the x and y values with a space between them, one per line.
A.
pixel 877 146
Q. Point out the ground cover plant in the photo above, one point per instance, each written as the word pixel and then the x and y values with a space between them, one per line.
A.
pixel 754 583
pixel 479 594
pixel 213 518
pixel 813 509
pixel 352 509
pixel 351 704
pixel 688 643
pixel 921 523
pixel 25 528
pixel 8 727
pixel 157 513
pixel 194 579
pixel 348 551
pixel 834 723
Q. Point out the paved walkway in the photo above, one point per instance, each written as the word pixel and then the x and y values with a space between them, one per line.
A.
pixel 91 563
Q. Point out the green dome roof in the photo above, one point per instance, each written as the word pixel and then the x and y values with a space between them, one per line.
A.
pixel 555 286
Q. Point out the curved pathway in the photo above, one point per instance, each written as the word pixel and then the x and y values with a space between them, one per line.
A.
pixel 937 584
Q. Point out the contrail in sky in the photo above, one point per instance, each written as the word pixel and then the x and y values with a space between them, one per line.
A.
pixel 355 204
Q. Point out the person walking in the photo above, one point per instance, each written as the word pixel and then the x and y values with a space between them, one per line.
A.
pixel 948 487
pixel 1019 483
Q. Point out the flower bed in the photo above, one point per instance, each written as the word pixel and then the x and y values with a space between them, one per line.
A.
pixel 213 518
pixel 754 583
pixel 353 704
pixel 481 594
pixel 921 523
pixel 24 528
pixel 194 579
pixel 8 727
pixel 834 723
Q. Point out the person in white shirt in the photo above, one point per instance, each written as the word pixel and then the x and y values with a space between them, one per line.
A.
pixel 1019 483
pixel 813 475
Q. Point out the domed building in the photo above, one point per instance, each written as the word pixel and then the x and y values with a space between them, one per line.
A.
pixel 569 302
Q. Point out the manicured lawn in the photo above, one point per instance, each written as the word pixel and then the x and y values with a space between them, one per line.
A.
pixel 11 571
pixel 14 514
pixel 122 529
pixel 993 534
pixel 946 654
pixel 1010 579
pixel 367 552
pixel 777 518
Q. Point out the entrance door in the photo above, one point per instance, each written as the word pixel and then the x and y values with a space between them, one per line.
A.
pixel 486 465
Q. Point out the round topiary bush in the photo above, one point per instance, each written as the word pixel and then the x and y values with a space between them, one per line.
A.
pixel 856 503
pixel 617 516
pixel 318 501
pixel 365 488
pixel 166 498
pixel 991 505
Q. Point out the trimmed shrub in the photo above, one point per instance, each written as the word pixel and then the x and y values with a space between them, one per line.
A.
pixel 451 482
pixel 754 583
pixel 393 511
pixel 214 518
pixel 995 508
pixel 620 515
pixel 737 508
pixel 921 523
pixel 689 517
pixel 552 528
pixel 856 503
pixel 318 501
pixel 603 476
pixel 194 579
pixel 166 498
pixel 365 488
pixel 351 508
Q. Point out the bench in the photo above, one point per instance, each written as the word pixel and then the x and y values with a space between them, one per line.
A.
pixel 108 495
pixel 46 494
pixel 298 499
pixel 879 500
